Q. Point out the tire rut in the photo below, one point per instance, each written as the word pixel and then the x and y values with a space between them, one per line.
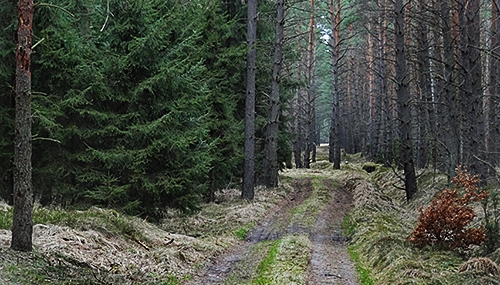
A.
pixel 330 262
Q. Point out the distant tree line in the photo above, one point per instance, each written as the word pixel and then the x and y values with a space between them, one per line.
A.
pixel 410 84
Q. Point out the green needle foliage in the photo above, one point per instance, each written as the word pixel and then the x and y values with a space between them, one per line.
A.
pixel 134 104
pixel 137 105
pixel 8 19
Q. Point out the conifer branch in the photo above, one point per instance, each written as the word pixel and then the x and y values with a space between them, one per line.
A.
pixel 107 17
pixel 37 43
pixel 45 139
pixel 55 6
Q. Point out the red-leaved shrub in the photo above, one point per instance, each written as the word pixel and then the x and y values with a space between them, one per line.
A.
pixel 445 221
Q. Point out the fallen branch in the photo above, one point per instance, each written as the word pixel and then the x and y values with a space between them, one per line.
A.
pixel 140 243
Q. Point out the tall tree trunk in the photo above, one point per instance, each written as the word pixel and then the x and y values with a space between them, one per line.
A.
pixel 334 142
pixel 249 164
pixel 494 86
pixel 404 104
pixel 22 226
pixel 383 118
pixel 309 102
pixel 370 98
pixel 297 108
pixel 448 113
pixel 424 91
pixel 437 122
pixel 270 167
pixel 349 124
pixel 472 95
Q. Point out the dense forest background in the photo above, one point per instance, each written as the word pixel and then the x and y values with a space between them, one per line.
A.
pixel 140 105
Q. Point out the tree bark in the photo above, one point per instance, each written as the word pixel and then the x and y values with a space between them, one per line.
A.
pixel 448 112
pixel 334 138
pixel 425 148
pixel 270 164
pixel 298 109
pixel 472 93
pixel 383 118
pixel 249 163
pixel 309 102
pixel 492 148
pixel 404 104
pixel 22 226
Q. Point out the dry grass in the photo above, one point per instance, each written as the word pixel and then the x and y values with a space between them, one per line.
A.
pixel 102 246
pixel 481 265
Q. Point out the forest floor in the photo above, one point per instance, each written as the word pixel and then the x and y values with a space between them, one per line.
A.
pixel 321 226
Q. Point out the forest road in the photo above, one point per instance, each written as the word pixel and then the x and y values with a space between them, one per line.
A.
pixel 327 261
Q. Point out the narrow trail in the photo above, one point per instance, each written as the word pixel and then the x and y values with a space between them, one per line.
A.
pixel 329 261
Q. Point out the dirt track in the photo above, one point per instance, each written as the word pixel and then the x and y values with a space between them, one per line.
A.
pixel 330 263
pixel 328 260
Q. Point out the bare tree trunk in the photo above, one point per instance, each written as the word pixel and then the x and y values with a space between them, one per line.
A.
pixel 376 97
pixel 270 167
pixel 370 98
pixel 472 94
pixel 249 164
pixel 404 106
pixel 492 147
pixel 334 139
pixel 449 122
pixel 309 102
pixel 22 226
pixel 383 117
pixel 426 132
pixel 349 119
pixel 297 108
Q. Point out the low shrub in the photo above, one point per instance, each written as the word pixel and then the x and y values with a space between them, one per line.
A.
pixel 445 222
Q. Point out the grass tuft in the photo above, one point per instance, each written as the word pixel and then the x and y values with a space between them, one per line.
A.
pixel 265 266
pixel 364 274
pixel 286 262
pixel 241 233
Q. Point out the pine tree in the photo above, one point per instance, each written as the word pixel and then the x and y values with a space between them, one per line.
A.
pixel 249 166
pixel 22 225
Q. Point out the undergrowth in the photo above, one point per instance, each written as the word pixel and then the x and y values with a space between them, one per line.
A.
pixel 446 221
pixel 379 227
